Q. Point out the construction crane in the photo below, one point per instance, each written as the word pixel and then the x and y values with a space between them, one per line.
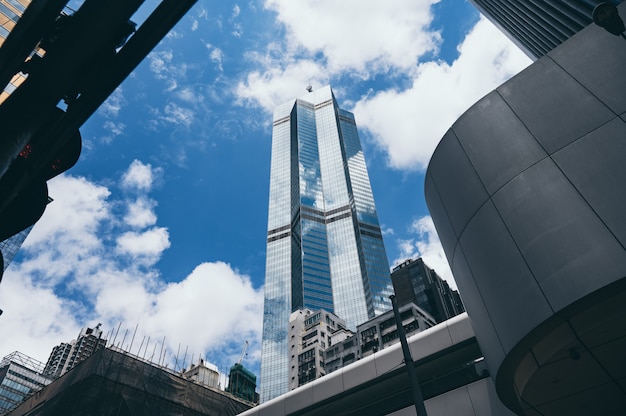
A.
pixel 245 347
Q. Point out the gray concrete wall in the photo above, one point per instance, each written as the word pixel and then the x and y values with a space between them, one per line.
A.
pixel 527 191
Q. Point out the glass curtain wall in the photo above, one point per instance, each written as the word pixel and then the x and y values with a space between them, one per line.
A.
pixel 324 245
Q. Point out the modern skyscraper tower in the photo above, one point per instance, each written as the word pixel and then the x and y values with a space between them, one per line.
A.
pixel 324 244
pixel 537 27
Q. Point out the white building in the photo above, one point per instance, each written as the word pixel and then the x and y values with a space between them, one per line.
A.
pixel 310 333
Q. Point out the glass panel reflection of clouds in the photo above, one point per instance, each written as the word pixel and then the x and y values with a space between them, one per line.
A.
pixel 325 247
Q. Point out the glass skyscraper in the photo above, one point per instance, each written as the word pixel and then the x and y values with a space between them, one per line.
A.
pixel 324 244
pixel 11 246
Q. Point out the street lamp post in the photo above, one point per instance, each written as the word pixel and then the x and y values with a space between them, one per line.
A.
pixel 418 398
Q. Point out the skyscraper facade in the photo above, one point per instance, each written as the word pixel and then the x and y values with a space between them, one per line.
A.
pixel 537 27
pixel 324 244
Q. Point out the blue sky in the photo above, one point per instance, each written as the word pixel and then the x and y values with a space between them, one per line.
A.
pixel 162 222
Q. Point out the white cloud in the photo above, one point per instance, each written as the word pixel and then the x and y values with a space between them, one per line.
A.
pixel 277 85
pixel 212 304
pixel 139 176
pixel 160 62
pixel 115 128
pixel 326 38
pixel 408 124
pixel 141 213
pixel 329 39
pixel 187 94
pixel 176 114
pixel 148 244
pixel 359 34
pixel 70 278
pixel 427 246
pixel 113 105
pixel 66 235
pixel 386 230
pixel 216 55
pixel 165 68
pixel 34 318
pixel 237 27
pixel 174 34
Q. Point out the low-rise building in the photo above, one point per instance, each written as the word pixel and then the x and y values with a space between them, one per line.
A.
pixel 309 336
pixel 374 335
pixel 382 331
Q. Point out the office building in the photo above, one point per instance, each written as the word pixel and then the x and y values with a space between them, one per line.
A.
pixel 66 356
pixel 242 383
pixel 114 383
pixel 526 190
pixel 309 336
pixel 324 244
pixel 413 281
pixel 537 27
pixel 20 377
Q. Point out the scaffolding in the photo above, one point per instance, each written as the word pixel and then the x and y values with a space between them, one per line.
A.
pixel 23 360
pixel 113 383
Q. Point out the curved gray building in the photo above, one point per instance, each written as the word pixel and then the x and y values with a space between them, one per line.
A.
pixel 528 194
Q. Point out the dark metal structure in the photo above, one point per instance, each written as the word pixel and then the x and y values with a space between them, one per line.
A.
pixel 537 27
pixel 78 59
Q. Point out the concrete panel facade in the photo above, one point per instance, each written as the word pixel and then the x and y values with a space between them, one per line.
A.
pixel 527 190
